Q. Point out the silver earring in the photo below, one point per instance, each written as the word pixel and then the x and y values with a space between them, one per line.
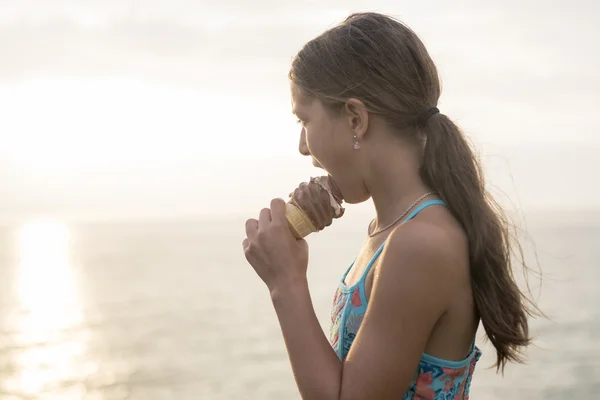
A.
pixel 356 145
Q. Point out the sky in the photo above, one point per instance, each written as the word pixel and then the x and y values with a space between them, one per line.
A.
pixel 117 109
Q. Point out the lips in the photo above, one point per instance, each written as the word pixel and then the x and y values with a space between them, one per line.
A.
pixel 334 189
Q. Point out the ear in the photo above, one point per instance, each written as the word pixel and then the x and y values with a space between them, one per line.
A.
pixel 358 117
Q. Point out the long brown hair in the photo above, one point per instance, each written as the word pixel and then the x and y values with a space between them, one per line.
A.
pixel 382 62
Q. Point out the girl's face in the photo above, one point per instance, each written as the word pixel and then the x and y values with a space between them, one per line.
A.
pixel 329 140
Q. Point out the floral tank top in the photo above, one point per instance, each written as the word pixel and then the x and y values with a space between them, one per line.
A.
pixel 435 378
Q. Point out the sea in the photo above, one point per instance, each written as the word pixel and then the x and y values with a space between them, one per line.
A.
pixel 170 309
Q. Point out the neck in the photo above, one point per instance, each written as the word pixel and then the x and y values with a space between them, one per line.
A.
pixel 394 187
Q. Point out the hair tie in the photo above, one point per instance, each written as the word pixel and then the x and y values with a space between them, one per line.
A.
pixel 425 115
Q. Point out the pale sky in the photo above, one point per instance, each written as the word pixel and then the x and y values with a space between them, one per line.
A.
pixel 156 108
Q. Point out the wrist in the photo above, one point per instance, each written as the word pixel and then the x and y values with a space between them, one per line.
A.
pixel 289 289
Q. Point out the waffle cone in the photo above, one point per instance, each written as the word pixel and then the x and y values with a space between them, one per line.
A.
pixel 299 222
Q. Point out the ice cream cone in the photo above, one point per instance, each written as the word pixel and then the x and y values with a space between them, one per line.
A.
pixel 301 225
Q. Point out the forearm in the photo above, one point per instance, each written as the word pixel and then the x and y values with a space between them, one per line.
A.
pixel 316 367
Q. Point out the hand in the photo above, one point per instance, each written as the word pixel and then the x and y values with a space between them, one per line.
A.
pixel 274 253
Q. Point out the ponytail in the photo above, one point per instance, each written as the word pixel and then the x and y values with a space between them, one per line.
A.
pixel 452 169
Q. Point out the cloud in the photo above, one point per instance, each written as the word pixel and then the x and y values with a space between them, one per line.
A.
pixel 157 49
pixel 192 41
pixel 204 41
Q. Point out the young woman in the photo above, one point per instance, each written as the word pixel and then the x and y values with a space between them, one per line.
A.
pixel 437 257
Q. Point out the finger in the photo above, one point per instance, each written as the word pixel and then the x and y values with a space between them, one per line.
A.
pixel 251 227
pixel 245 243
pixel 278 211
pixel 303 243
pixel 264 218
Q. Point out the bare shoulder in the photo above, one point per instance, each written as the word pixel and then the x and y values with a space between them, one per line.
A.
pixel 424 251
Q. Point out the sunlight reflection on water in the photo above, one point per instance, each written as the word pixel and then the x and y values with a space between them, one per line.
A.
pixel 49 301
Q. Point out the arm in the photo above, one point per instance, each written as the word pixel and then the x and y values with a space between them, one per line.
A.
pixel 317 369
pixel 410 293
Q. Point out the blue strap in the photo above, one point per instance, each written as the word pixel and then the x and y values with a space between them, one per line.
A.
pixel 424 206
pixel 348 271
pixel 371 262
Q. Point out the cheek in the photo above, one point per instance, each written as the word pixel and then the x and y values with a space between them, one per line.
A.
pixel 315 142
pixel 321 140
pixel 330 154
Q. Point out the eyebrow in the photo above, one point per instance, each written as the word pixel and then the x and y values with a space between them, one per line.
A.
pixel 298 114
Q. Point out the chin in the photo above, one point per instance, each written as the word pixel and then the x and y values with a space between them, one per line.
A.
pixel 349 195
pixel 316 164
pixel 354 198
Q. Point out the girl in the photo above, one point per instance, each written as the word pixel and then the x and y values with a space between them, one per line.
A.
pixel 437 257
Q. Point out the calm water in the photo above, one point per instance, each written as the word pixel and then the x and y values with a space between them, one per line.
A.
pixel 172 311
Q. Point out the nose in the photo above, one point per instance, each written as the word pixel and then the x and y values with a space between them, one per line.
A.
pixel 303 147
